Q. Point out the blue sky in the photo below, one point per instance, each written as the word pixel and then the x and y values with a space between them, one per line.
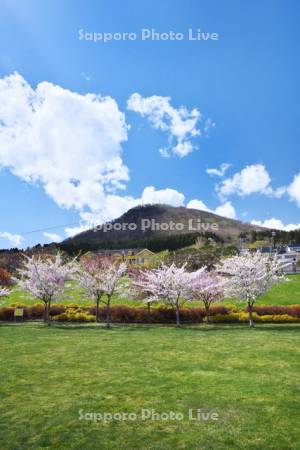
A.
pixel 63 163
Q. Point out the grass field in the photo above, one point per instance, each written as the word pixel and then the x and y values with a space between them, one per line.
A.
pixel 250 378
pixel 284 294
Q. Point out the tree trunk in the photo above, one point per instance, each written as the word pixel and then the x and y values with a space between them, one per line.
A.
pixel 177 316
pixel 47 314
pixel 206 312
pixel 250 308
pixel 97 310
pixel 108 314
pixel 148 312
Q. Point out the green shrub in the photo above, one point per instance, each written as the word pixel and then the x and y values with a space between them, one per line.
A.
pixel 63 317
pixel 225 318
pixel 74 315
pixel 243 317
pixel 279 318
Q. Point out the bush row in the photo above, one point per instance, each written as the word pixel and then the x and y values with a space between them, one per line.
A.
pixel 266 310
pixel 242 317
pixel 159 314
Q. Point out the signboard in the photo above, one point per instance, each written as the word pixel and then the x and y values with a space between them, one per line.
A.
pixel 19 312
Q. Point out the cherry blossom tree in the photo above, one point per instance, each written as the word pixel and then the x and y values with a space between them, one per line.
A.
pixel 4 292
pixel 113 283
pixel 249 276
pixel 206 287
pixel 91 275
pixel 136 289
pixel 169 284
pixel 44 279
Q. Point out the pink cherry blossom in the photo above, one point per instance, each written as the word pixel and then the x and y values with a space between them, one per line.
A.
pixel 44 279
pixel 250 276
pixel 169 284
pixel 206 287
pixel 100 278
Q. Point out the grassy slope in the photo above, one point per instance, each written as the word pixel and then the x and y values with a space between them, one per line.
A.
pixel 284 294
pixel 251 378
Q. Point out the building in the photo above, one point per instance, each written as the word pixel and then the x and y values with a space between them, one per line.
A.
pixel 293 248
pixel 267 250
pixel 137 256
pixel 290 260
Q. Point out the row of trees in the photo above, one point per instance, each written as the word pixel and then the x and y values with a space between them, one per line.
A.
pixel 244 278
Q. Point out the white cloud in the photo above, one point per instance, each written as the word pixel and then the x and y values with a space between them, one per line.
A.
pixel 276 224
pixel 198 204
pixel 14 239
pixel 168 196
pixel 293 189
pixel 225 210
pixel 71 145
pixel 252 179
pixel 67 142
pixel 72 231
pixel 115 205
pixel 180 124
pixel 219 171
pixel 53 237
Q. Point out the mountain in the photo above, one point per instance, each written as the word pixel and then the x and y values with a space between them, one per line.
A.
pixel 158 227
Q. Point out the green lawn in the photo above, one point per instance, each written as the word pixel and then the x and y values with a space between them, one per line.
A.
pixel 250 378
pixel 284 294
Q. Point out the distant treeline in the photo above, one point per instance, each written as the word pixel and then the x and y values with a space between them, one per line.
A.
pixel 155 244
pixel 280 237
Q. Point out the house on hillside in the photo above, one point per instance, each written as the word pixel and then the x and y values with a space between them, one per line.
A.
pixel 290 260
pixel 293 248
pixel 137 256
pixel 266 249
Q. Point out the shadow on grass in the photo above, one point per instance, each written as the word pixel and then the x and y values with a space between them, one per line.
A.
pixel 295 327
pixel 133 327
pixel 197 328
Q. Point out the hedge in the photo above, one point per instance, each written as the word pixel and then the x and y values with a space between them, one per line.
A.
pixel 159 314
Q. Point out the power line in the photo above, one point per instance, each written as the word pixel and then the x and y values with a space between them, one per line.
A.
pixel 39 230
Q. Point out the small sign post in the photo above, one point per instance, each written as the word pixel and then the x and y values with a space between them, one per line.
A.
pixel 19 313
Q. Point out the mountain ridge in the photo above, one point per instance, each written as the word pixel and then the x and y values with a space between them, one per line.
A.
pixel 145 223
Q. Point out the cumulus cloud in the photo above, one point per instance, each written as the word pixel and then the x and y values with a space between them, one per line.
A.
pixel 14 239
pixel 67 142
pixel 256 179
pixel 53 237
pixel 225 210
pixel 115 205
pixel 276 224
pixel 252 179
pixel 198 204
pixel 70 144
pixel 168 196
pixel 180 124
pixel 293 190
pixel 218 171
